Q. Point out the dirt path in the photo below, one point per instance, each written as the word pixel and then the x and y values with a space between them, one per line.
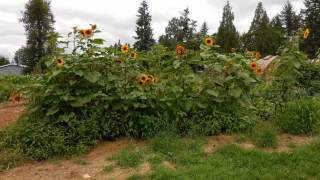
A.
pixel 10 112
pixel 90 165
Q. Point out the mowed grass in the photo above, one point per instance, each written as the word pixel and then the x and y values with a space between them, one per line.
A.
pixel 229 162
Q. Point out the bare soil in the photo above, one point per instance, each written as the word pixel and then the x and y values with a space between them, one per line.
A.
pixel 10 112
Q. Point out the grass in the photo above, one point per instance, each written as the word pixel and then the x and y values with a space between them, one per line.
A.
pixel 232 162
pixel 265 136
pixel 9 159
pixel 108 168
pixel 128 158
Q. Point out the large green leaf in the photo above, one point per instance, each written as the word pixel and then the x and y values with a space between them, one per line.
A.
pixel 92 76
pixel 213 92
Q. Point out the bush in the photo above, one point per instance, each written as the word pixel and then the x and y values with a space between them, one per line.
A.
pixel 300 116
pixel 97 93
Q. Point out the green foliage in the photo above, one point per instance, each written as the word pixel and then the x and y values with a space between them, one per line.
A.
pixel 23 84
pixel 290 19
pixel 92 97
pixel 227 36
pixel 127 158
pixel 232 162
pixel 180 29
pixel 4 61
pixel 10 158
pixel 312 21
pixel 38 23
pixel 143 29
pixel 300 116
pixel 261 36
pixel 265 136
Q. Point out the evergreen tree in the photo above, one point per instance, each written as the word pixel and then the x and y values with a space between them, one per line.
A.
pixel 261 36
pixel 179 30
pixel 312 21
pixel 4 61
pixel 276 23
pixel 20 56
pixel 204 29
pixel 38 22
pixel 227 36
pixel 143 29
pixel 289 18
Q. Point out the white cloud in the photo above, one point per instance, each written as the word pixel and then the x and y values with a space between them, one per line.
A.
pixel 117 18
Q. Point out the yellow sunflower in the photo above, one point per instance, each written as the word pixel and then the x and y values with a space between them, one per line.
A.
pixel 119 60
pixel 87 32
pixel 150 79
pixel 81 31
pixel 258 55
pixel 143 77
pixel 59 61
pixel 125 48
pixel 141 83
pixel 306 33
pixel 209 41
pixel 258 71
pixel 133 55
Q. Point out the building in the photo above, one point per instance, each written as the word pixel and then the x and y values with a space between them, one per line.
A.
pixel 11 69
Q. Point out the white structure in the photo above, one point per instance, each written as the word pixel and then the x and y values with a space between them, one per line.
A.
pixel 11 69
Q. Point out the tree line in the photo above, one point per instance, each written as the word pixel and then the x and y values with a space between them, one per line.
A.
pixel 264 35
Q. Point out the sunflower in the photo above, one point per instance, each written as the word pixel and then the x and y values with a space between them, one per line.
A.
pixel 119 60
pixel 125 48
pixel 233 50
pixel 150 79
pixel 59 62
pixel 209 41
pixel 258 71
pixel 143 78
pixel 141 83
pixel 133 55
pixel 81 31
pixel 306 33
pixel 258 55
pixel 93 26
pixel 180 50
pixel 253 65
pixel 87 32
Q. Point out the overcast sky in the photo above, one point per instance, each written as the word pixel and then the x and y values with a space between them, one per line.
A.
pixel 117 18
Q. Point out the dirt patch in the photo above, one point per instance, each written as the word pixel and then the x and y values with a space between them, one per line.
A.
pixel 168 164
pixel 95 161
pixel 286 143
pixel 214 142
pixel 10 112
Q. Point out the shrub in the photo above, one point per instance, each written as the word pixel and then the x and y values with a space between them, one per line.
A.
pixel 97 93
pixel 300 116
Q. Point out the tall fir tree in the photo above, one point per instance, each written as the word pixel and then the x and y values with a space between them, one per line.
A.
pixel 261 36
pixel 179 30
pixel 38 23
pixel 227 36
pixel 312 21
pixel 289 18
pixel 204 29
pixel 143 29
